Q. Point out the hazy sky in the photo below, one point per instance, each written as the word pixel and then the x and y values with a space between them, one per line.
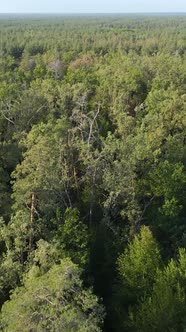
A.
pixel 91 6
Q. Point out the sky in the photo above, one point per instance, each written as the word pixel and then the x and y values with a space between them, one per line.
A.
pixel 91 6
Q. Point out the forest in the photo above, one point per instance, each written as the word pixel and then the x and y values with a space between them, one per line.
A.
pixel 93 173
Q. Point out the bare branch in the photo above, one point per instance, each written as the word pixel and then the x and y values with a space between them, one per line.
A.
pixel 8 119
pixel 92 123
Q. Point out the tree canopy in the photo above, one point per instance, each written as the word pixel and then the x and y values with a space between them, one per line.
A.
pixel 92 173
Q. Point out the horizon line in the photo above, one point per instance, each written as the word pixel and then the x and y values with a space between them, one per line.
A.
pixel 90 13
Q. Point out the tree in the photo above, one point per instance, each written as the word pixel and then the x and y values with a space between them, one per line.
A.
pixel 40 180
pixel 139 262
pixel 55 301
pixel 164 309
pixel 137 268
pixel 73 237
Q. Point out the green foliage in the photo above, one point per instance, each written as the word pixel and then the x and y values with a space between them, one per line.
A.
pixel 39 174
pixel 45 256
pixel 54 301
pixel 92 150
pixel 138 264
pixel 164 310
pixel 137 267
pixel 73 236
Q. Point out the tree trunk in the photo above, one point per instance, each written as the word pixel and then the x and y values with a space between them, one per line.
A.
pixel 32 213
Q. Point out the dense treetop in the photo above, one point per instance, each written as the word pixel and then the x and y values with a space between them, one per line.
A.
pixel 92 173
